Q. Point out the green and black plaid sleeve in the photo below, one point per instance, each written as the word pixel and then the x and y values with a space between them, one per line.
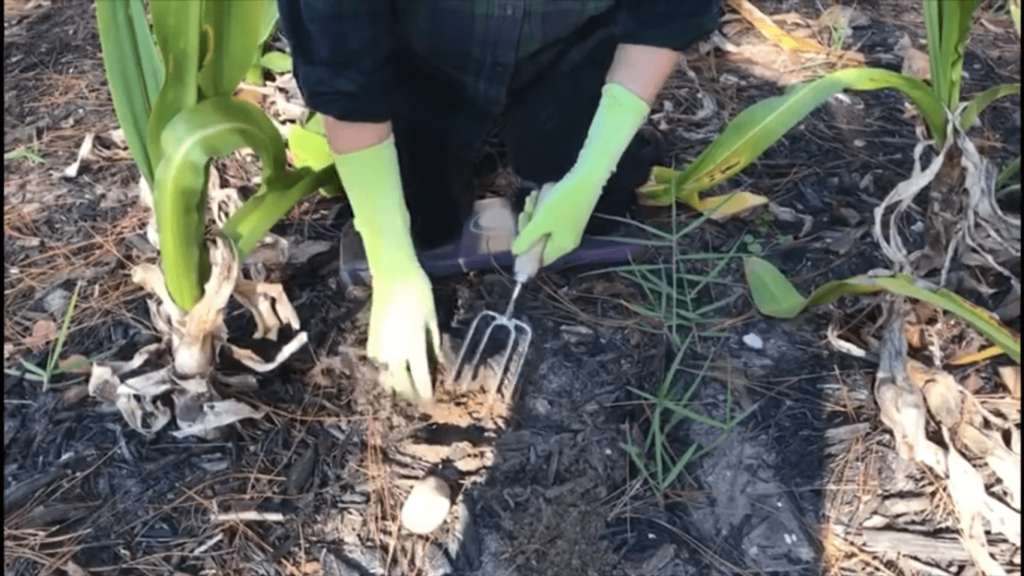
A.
pixel 674 24
pixel 341 48
pixel 339 54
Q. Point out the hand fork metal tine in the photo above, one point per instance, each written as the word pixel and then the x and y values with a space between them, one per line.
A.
pixel 516 347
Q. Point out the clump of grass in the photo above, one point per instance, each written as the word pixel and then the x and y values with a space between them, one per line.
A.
pixel 24 153
pixel 677 301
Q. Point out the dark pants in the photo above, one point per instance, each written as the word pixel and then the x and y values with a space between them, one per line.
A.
pixel 543 126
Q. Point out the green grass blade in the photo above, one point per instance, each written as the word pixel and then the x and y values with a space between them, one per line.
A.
pixel 977 105
pixel 176 25
pixel 213 128
pixel 758 127
pixel 62 335
pixel 24 153
pixel 678 467
pixel 134 74
pixel 234 33
pixel 1012 169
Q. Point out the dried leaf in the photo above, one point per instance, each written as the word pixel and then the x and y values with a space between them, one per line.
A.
pixel 970 357
pixel 967 490
pixel 790 215
pixel 43 331
pixel 250 359
pixel 74 569
pixel 204 325
pixel 1001 459
pixel 302 252
pixel 901 404
pixel 725 206
pixel 1010 375
pixel 941 392
pixel 83 151
pixel 973 382
pixel 75 364
pixel 146 199
pixel 840 16
pixel 215 415
pixel 768 28
pixel 269 306
pixel 915 62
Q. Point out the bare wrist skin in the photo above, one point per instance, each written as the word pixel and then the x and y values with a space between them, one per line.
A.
pixel 344 137
pixel 643 70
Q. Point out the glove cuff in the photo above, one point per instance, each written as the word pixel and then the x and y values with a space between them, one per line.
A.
pixel 619 116
pixel 373 185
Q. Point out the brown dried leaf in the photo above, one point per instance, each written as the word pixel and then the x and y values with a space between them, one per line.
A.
pixel 901 405
pixel 973 382
pixel 83 152
pixel 43 331
pixel 915 62
pixel 215 415
pixel 75 364
pixel 269 306
pixel 839 16
pixel 777 35
pixel 941 392
pixel 250 359
pixel 1010 375
pixel 967 490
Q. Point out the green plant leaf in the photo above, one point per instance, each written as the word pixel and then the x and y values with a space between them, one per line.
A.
pixel 269 21
pixel 254 219
pixel 947 28
pixel 315 124
pixel 775 296
pixel 212 128
pixel 1013 6
pixel 976 105
pixel 933 34
pixel 233 31
pixel 276 62
pixel 308 148
pixel 134 73
pixel 758 127
pixel 176 27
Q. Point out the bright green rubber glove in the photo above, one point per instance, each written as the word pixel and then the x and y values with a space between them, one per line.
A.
pixel 566 209
pixel 403 320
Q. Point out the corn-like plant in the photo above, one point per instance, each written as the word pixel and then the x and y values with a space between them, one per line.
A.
pixel 173 98
pixel 975 224
pixel 761 125
pixel 173 71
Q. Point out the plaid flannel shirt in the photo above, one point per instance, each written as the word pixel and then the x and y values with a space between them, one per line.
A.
pixel 341 48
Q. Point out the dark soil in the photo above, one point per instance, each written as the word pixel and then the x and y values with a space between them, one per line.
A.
pixel 556 493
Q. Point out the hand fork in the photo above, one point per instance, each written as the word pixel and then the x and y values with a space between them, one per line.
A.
pixel 519 333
